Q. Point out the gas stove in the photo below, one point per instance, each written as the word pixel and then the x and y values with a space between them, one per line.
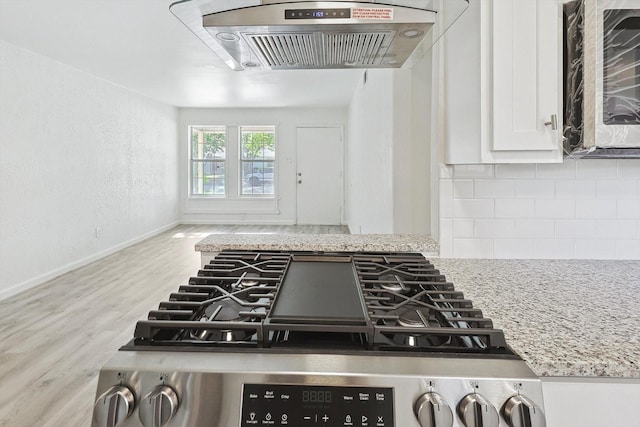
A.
pixel 306 339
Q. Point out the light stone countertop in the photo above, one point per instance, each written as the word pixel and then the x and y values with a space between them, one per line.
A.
pixel 563 317
pixel 321 242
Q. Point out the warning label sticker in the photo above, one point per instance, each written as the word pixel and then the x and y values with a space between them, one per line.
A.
pixel 372 13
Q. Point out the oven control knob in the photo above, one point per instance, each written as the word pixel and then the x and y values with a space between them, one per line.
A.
pixel 113 407
pixel 158 406
pixel 433 411
pixel 475 411
pixel 521 412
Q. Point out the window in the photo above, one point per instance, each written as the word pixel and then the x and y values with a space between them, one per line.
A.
pixel 257 159
pixel 207 160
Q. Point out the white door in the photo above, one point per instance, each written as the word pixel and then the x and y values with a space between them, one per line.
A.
pixel 319 158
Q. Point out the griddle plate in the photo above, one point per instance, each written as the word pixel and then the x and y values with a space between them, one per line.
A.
pixel 319 293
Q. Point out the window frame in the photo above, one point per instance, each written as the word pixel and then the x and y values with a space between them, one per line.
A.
pixel 214 161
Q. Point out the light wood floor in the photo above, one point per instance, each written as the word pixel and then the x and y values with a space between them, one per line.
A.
pixel 54 338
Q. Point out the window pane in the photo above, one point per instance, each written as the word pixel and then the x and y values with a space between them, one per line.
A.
pixel 207 178
pixel 208 142
pixel 258 178
pixel 258 155
pixel 208 148
pixel 258 142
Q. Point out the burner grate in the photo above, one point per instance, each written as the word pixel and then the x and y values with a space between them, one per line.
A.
pixel 415 308
pixel 224 305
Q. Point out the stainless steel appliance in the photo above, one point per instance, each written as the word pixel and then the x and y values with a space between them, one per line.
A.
pixel 294 34
pixel 602 74
pixel 304 339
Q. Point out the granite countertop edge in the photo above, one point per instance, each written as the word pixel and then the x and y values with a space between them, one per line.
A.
pixel 321 242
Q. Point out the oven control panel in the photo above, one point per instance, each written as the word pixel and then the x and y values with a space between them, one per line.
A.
pixel 316 406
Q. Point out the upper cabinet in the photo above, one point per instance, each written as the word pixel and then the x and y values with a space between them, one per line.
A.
pixel 502 68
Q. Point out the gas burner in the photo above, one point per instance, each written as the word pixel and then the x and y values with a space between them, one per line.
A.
pixel 225 310
pixel 249 280
pixel 221 335
pixel 419 341
pixel 408 316
pixel 414 317
pixel 393 283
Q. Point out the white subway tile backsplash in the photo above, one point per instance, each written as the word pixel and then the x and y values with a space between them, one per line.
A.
pixel 585 209
pixel 575 228
pixel 616 228
pixel 517 171
pixel 628 249
pixel 446 238
pixel 619 189
pixel 514 208
pixel 463 228
pixel 446 198
pixel 473 208
pixel 473 248
pixel 597 169
pixel 595 249
pixel 627 208
pixel 494 189
pixel 534 228
pixel 535 189
pixel 595 209
pixel 575 189
pixel 554 249
pixel 494 228
pixel 555 208
pixel 513 248
pixel 629 168
pixel 463 189
pixel 472 171
pixel 566 170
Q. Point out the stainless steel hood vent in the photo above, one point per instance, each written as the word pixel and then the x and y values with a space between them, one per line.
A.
pixel 293 34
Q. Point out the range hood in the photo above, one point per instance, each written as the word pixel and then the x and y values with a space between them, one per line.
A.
pixel 297 35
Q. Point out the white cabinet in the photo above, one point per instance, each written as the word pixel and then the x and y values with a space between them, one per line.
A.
pixel 502 70
pixel 591 402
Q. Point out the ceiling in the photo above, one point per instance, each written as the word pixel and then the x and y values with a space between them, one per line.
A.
pixel 140 45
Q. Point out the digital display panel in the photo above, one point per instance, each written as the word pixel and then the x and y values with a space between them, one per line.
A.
pixel 299 406
pixel 317 14
pixel 316 396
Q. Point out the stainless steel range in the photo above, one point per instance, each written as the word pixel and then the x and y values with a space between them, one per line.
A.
pixel 302 339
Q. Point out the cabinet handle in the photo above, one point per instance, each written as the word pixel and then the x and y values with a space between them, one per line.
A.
pixel 553 123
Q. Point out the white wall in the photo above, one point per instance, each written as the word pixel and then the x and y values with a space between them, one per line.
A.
pixel 584 209
pixel 76 153
pixel 238 210
pixel 370 155
pixel 389 152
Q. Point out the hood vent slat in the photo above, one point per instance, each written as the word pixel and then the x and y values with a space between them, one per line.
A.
pixel 284 50
pixel 320 50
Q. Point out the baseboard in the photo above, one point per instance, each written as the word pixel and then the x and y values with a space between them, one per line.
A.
pixel 32 283
pixel 235 222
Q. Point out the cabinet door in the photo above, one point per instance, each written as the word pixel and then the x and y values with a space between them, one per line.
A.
pixel 521 54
